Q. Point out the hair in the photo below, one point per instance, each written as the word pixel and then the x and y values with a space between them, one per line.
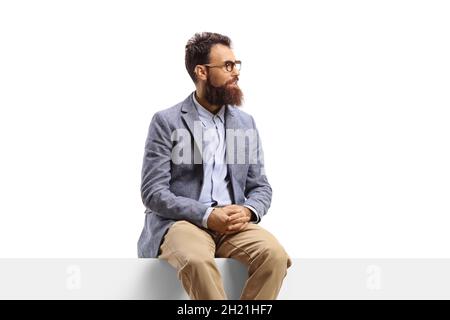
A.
pixel 198 49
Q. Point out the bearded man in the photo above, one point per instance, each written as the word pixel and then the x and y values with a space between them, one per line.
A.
pixel 204 185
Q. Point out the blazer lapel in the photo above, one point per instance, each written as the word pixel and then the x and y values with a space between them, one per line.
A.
pixel 193 123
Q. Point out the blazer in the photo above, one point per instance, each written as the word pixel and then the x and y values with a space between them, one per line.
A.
pixel 170 188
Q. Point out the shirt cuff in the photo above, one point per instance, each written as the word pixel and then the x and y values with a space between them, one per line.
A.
pixel 206 216
pixel 255 212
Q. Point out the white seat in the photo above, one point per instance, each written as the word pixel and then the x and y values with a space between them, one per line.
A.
pixel 104 279
pixel 155 279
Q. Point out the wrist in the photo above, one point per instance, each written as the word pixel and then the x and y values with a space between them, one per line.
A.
pixel 248 212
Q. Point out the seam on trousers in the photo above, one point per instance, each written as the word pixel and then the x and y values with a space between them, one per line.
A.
pixel 239 248
pixel 175 255
pixel 182 268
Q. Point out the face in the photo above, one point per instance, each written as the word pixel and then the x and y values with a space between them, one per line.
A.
pixel 221 86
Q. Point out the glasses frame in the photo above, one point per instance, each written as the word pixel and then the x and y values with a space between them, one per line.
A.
pixel 234 64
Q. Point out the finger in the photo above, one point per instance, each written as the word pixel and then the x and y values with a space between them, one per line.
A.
pixel 243 216
pixel 223 216
pixel 230 212
pixel 234 226
pixel 238 224
pixel 239 221
pixel 235 216
pixel 242 227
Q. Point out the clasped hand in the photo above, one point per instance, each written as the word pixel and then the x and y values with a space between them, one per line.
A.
pixel 229 219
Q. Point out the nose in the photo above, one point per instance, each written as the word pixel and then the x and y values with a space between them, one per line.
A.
pixel 235 71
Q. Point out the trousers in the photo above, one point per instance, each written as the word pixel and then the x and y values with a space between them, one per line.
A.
pixel 191 251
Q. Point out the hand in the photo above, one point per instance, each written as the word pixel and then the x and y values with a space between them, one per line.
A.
pixel 218 220
pixel 239 218
pixel 229 219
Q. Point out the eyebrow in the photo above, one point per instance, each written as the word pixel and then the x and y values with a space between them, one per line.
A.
pixel 228 60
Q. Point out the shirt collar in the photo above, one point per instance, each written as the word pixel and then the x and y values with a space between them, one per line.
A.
pixel 203 112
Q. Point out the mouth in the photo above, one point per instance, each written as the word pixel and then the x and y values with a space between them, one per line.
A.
pixel 234 82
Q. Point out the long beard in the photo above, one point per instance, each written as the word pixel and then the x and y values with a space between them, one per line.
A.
pixel 223 95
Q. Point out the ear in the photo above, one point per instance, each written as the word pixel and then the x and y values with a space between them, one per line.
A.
pixel 201 72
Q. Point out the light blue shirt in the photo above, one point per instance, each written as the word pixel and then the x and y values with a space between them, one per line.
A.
pixel 216 185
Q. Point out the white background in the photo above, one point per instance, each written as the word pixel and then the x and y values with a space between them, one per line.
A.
pixel 351 99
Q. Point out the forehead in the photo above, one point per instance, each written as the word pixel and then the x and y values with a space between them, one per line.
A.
pixel 220 53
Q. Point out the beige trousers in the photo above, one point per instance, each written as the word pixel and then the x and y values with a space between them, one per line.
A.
pixel 191 251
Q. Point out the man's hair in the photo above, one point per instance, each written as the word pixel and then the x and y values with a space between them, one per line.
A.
pixel 198 49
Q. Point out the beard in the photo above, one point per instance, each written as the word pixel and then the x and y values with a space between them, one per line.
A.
pixel 228 94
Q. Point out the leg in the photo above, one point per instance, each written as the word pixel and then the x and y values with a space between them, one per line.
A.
pixel 266 259
pixel 190 250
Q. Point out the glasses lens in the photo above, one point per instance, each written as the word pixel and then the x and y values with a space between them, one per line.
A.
pixel 229 65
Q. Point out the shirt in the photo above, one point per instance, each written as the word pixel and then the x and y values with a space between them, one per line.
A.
pixel 216 185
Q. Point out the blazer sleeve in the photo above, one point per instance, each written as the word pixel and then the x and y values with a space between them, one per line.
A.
pixel 156 175
pixel 257 188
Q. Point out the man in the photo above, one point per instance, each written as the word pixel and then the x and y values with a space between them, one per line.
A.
pixel 203 182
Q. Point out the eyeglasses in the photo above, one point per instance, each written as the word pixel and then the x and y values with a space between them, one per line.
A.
pixel 229 65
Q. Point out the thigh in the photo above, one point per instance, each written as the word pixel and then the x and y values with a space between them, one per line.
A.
pixel 185 241
pixel 250 243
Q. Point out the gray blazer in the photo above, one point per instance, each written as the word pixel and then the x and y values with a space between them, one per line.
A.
pixel 170 190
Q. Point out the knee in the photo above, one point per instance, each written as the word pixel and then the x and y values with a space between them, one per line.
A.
pixel 275 254
pixel 197 261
